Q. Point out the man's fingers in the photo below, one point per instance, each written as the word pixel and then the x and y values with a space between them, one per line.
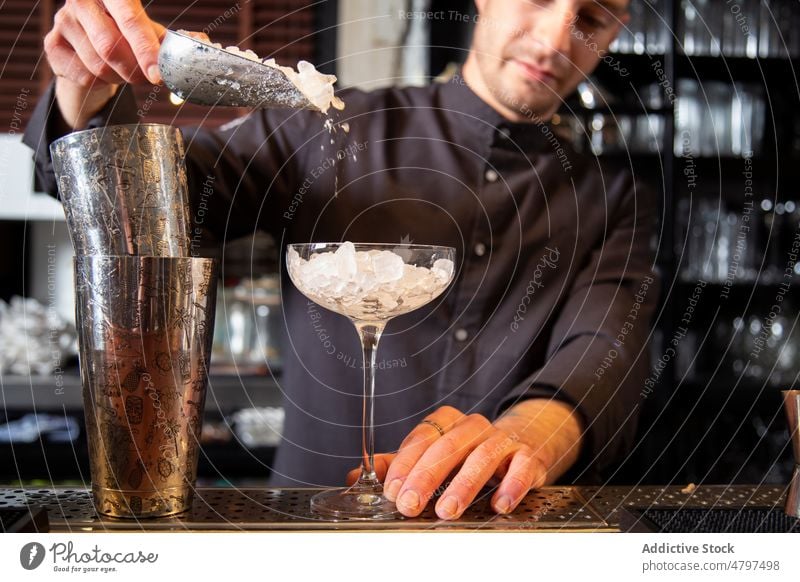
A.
pixel 414 446
pixel 65 62
pixel 137 29
pixel 476 471
pixel 77 38
pixel 382 462
pixel 107 41
pixel 438 461
pixel 525 472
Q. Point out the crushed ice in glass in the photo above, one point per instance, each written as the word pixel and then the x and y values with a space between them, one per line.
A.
pixel 367 284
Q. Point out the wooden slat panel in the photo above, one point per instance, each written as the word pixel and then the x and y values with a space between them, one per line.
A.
pixel 20 47
pixel 278 27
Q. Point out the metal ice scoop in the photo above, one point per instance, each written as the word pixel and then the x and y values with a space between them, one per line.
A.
pixel 200 73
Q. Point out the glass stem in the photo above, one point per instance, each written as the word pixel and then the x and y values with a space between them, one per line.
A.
pixel 370 334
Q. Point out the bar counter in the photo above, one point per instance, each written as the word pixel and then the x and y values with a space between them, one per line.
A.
pixel 563 509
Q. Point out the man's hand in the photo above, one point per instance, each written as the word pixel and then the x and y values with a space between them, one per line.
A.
pixel 530 446
pixel 93 47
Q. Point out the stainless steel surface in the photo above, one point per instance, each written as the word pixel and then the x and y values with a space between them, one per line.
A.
pixel 791 405
pixel 607 500
pixel 205 75
pixel 145 327
pixel 124 190
pixel 550 509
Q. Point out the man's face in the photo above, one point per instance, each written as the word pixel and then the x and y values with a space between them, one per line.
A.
pixel 530 54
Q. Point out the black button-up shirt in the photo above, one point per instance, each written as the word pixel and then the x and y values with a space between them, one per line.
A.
pixel 554 289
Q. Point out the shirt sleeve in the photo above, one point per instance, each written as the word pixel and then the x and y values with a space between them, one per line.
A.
pixel 598 357
pixel 237 174
pixel 47 125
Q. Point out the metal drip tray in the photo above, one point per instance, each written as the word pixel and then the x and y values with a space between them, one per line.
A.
pixel 609 500
pixel 717 519
pixel 548 509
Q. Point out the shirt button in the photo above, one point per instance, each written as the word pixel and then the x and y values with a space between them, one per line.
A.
pixel 461 335
pixel 480 249
pixel 491 176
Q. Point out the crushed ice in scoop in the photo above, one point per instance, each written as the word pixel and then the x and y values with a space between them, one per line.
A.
pixel 315 86
pixel 367 284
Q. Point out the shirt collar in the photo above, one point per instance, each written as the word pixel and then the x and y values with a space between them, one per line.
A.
pixel 487 124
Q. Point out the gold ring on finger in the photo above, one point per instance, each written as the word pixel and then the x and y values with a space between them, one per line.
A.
pixel 435 425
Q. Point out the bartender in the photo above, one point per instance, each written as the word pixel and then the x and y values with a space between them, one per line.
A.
pixel 529 371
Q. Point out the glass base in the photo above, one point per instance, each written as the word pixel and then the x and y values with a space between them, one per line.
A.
pixel 360 501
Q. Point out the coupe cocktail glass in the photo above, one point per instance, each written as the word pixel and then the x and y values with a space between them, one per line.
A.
pixel 370 284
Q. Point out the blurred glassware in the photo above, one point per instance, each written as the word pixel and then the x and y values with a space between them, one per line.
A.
pixel 767 33
pixel 35 339
pixel 761 347
pixel 748 116
pixel 686 359
pixel 623 133
pixel 689 27
pixel 610 134
pixel 717 137
pixel 740 29
pixel 648 133
pixel 778 340
pixel 745 28
pixel 593 95
pixel 259 427
pixel 688 119
pixel 249 324
pixel 716 119
pixel 736 246
pixel 752 10
pixel 638 26
pixel 713 17
pixel 657 32
pixel 572 129
pixel 652 96
pixel 32 427
pixel 215 432
pixel 645 32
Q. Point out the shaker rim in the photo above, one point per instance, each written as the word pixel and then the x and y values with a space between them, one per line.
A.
pixel 102 129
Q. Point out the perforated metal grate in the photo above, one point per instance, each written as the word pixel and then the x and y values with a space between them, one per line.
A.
pixel 549 509
pixel 710 520
pixel 606 500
